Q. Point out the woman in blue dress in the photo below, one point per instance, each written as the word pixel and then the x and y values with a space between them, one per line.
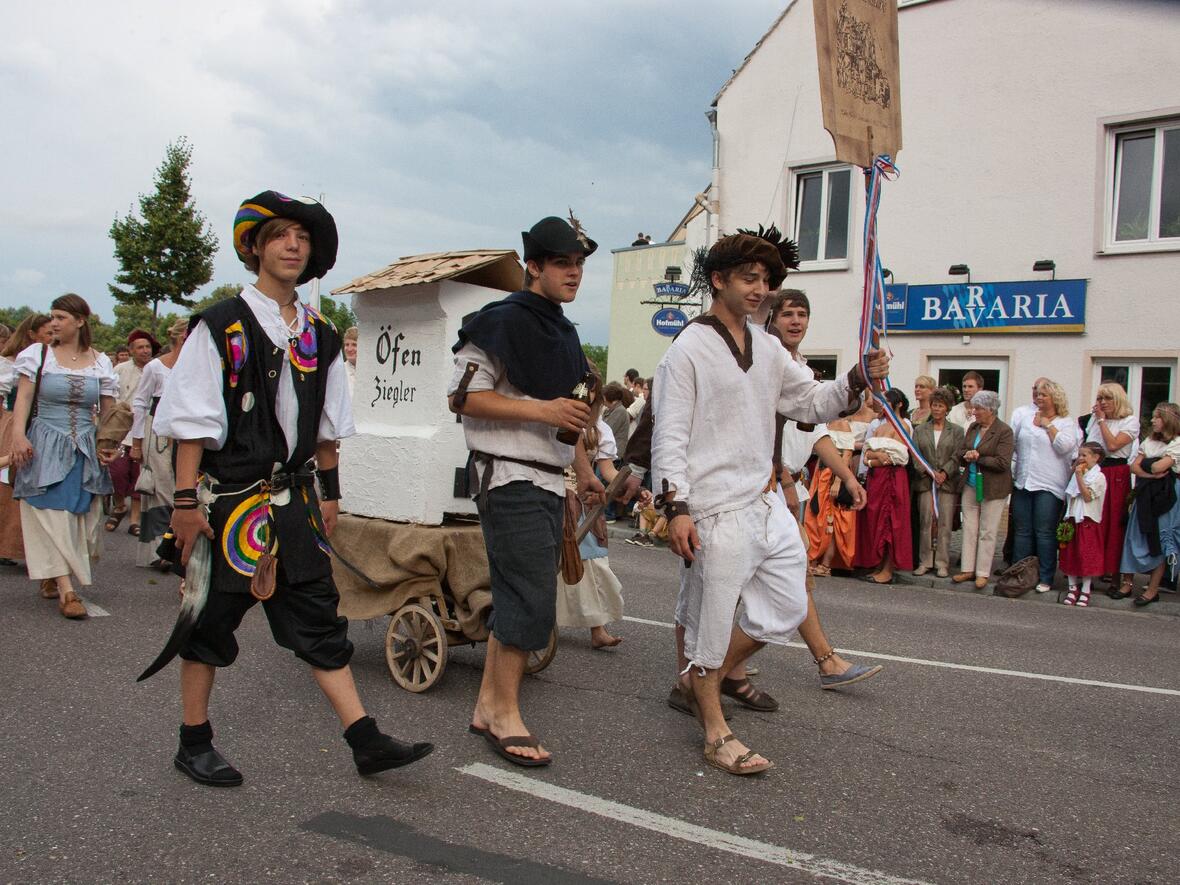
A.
pixel 1153 530
pixel 59 477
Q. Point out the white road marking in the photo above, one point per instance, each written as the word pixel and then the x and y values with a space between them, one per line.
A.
pixel 697 835
pixel 95 610
pixel 971 668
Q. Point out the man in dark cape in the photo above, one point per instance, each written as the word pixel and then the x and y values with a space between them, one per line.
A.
pixel 517 364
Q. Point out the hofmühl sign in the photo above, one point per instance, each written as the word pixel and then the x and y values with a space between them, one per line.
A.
pixel 669 321
pixel 1032 306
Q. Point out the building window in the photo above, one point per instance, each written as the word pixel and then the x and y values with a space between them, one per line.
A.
pixel 825 366
pixel 823 199
pixel 1144 188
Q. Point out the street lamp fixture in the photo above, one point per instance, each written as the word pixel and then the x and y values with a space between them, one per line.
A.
pixel 1044 264
pixel 671 273
pixel 886 272
pixel 959 270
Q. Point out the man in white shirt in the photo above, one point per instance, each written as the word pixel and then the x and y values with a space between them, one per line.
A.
pixel 257 399
pixel 125 471
pixel 716 393
pixel 516 363
pixel 961 413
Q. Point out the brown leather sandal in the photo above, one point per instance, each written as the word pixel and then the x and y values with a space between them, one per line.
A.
pixel 49 588
pixel 744 692
pixel 736 766
pixel 71 607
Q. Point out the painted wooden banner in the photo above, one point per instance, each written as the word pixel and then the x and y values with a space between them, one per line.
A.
pixel 859 77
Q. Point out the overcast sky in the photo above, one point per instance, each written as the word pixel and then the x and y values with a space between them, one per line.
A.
pixel 427 126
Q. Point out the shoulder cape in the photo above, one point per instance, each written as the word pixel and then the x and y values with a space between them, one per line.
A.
pixel 535 341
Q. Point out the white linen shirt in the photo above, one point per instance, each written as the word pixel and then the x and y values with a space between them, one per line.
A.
pixel 713 439
pixel 530 440
pixel 151 384
pixel 193 407
pixel 1128 425
pixel 1041 465
pixel 1077 507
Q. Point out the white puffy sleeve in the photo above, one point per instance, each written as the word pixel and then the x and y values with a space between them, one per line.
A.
pixel 336 422
pixel 608 448
pixel 807 400
pixel 29 360
pixel 108 381
pixel 192 405
pixel 674 396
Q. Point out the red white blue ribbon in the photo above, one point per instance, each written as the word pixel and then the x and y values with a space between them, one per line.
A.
pixel 873 331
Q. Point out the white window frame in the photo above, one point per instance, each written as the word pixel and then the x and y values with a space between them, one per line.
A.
pixel 1153 243
pixel 795 207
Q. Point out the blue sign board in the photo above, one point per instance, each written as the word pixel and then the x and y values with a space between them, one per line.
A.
pixel 971 308
pixel 669 321
pixel 671 290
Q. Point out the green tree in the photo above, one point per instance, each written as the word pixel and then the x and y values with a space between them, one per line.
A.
pixel 596 353
pixel 167 254
pixel 338 312
pixel 225 290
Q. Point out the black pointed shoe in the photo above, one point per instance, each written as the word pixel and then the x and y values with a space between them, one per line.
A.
pixel 386 753
pixel 209 768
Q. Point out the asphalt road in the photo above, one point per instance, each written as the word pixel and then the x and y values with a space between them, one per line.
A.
pixel 927 773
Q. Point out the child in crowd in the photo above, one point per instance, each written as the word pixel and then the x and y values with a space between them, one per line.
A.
pixel 1081 553
pixel 652 526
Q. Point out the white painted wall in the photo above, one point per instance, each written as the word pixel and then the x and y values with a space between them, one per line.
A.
pixel 633 342
pixel 1002 164
pixel 401 463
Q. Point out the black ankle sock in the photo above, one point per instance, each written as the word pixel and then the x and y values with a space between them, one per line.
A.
pixel 197 738
pixel 362 733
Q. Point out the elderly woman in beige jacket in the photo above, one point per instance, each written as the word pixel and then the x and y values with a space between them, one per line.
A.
pixel 986 455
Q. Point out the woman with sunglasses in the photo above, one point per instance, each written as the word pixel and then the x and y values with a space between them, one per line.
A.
pixel 1114 426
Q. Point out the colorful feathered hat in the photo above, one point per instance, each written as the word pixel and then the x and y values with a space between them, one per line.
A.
pixel 260 209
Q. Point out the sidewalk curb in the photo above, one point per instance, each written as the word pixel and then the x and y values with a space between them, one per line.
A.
pixel 1168 606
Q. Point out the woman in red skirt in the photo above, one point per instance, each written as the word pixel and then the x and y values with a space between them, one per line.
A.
pixel 884 536
pixel 1115 427
pixel 1082 551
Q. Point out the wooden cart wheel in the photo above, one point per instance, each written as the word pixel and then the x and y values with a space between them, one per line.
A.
pixel 415 647
pixel 542 658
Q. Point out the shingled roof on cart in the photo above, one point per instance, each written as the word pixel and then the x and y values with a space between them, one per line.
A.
pixel 493 268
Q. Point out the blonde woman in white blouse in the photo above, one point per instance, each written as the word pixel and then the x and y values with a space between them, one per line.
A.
pixel 1114 426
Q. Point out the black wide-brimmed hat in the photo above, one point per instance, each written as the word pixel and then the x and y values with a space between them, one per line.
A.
pixel 260 209
pixel 556 236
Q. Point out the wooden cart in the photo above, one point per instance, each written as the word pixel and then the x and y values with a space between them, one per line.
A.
pixel 434 588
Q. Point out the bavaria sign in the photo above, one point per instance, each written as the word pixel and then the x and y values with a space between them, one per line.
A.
pixel 1011 308
pixel 669 321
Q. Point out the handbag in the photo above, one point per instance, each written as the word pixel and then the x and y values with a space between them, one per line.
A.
pixel 1018 578
pixel 571 569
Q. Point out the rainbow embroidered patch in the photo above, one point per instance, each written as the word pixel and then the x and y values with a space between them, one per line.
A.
pixel 247 535
pixel 237 349
pixel 302 349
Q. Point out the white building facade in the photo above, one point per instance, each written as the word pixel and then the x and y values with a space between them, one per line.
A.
pixel 1034 131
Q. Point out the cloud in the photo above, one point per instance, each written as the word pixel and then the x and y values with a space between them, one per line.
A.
pixel 427 126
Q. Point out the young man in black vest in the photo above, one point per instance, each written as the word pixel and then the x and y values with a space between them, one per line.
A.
pixel 256 403
pixel 516 364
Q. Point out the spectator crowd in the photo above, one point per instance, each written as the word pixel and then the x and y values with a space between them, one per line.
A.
pixel 1075 499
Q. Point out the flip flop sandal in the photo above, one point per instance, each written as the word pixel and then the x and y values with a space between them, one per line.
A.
pixel 744 692
pixel 133 530
pixel 734 767
pixel 114 519
pixel 501 745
